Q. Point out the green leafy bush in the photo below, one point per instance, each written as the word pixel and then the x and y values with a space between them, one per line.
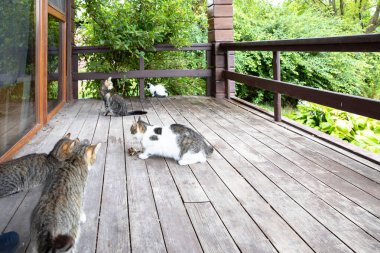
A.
pixel 361 131
pixel 257 20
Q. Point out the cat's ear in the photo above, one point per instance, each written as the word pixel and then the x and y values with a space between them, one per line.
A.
pixel 67 135
pixel 97 147
pixel 77 141
pixel 73 143
pixel 92 150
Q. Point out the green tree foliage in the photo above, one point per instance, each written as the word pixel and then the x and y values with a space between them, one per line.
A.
pixel 351 73
pixel 131 27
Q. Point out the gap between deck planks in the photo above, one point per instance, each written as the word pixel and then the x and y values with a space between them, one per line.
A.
pixel 351 210
pixel 333 221
pixel 210 200
pixel 320 240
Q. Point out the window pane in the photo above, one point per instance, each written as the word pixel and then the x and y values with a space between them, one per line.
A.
pixel 54 86
pixel 17 71
pixel 59 4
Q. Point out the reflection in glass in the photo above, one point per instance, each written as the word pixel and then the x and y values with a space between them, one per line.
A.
pixel 17 71
pixel 59 4
pixel 54 85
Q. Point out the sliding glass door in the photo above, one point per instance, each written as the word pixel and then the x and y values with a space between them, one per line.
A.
pixel 17 71
pixel 32 68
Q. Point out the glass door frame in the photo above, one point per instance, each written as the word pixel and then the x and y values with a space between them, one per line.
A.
pixel 52 11
pixel 42 10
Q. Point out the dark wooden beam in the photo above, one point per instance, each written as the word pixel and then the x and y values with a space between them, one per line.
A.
pixel 143 74
pixel 354 104
pixel 354 43
pixel 277 76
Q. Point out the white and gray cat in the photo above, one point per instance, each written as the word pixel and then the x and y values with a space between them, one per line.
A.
pixel 55 219
pixel 174 141
pixel 115 104
pixel 157 90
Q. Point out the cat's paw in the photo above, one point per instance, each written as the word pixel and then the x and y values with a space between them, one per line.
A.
pixel 83 217
pixel 143 156
pixel 183 162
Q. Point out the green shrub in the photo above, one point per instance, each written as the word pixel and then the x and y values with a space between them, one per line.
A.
pixel 361 131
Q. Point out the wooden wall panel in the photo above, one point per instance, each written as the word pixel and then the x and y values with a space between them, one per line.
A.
pixel 220 20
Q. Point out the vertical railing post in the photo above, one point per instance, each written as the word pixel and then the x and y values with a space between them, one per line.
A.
pixel 209 81
pixel 69 40
pixel 142 80
pixel 75 65
pixel 227 67
pixel 277 76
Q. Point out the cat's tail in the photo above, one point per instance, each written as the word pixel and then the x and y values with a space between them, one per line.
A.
pixel 209 149
pixel 62 243
pixel 136 113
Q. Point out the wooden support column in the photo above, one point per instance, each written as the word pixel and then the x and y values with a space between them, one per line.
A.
pixel 220 29
pixel 69 43
pixel 141 80
pixel 277 76
pixel 74 64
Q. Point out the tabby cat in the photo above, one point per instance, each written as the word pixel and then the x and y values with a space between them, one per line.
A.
pixel 31 170
pixel 175 141
pixel 55 219
pixel 114 103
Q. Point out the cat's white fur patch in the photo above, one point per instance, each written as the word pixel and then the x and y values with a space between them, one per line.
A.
pixel 158 88
pixel 166 145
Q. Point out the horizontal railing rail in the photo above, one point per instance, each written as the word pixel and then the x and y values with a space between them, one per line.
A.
pixel 354 43
pixel 141 73
pixel 354 104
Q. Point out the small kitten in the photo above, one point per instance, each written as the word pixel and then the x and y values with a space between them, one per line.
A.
pixel 157 90
pixel 55 219
pixel 175 141
pixel 31 170
pixel 114 103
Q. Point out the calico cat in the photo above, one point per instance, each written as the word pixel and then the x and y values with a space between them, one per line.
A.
pixel 55 219
pixel 114 103
pixel 157 90
pixel 31 170
pixel 175 141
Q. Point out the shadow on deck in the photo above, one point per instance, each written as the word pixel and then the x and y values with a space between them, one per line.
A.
pixel 266 188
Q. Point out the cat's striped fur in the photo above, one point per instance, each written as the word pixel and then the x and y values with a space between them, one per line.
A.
pixel 55 219
pixel 31 170
pixel 115 104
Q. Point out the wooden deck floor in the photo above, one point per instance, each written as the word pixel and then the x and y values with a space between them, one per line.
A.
pixel 265 188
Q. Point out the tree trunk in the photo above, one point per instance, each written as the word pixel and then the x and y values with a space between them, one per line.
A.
pixel 374 23
pixel 333 4
pixel 341 7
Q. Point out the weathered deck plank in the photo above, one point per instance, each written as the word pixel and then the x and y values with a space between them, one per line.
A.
pixel 212 234
pixel 311 231
pixel 113 234
pixel 267 187
pixel 177 229
pixel 145 228
pixel 351 210
pixel 336 223
pixel 98 127
pixel 296 140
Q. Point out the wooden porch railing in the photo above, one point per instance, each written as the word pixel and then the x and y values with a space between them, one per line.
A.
pixel 142 72
pixel 354 104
